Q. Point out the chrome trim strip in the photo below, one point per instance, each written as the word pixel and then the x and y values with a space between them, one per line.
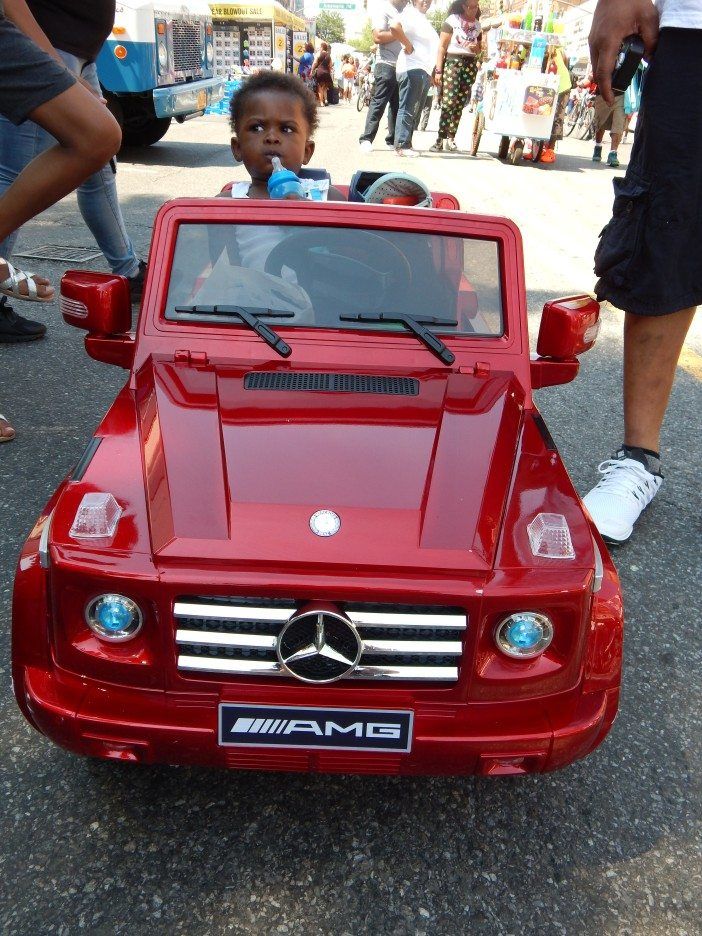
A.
pixel 216 639
pixel 599 568
pixel 43 548
pixel 391 619
pixel 243 667
pixel 231 612
pixel 264 668
pixel 435 673
pixel 452 647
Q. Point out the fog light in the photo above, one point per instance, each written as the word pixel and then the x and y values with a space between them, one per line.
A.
pixel 524 635
pixel 114 617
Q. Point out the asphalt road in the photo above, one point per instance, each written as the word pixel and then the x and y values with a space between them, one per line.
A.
pixel 609 845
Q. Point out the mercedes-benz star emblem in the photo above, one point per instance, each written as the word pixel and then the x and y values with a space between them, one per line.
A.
pixel 319 647
pixel 325 522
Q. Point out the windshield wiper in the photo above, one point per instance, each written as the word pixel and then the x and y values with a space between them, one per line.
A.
pixel 247 316
pixel 416 326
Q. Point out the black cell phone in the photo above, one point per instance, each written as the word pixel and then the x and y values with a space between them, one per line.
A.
pixel 628 60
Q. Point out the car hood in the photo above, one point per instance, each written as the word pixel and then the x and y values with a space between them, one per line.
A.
pixel 419 479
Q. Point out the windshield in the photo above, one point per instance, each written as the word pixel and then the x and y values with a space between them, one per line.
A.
pixel 329 277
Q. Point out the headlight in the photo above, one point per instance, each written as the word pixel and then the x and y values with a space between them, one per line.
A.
pixel 209 48
pixel 162 56
pixel 524 635
pixel 114 617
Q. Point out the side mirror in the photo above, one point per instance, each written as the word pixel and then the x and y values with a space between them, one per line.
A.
pixel 569 327
pixel 101 304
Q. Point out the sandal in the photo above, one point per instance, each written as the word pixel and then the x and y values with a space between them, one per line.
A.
pixel 437 147
pixel 7 433
pixel 12 284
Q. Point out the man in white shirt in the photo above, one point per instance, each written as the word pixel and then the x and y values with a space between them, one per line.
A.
pixel 649 258
pixel 385 91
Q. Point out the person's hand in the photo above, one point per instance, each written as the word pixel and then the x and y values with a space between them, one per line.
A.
pixel 409 49
pixel 613 21
pixel 86 84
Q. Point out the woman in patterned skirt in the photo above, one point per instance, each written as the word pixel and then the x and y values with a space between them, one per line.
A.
pixel 456 68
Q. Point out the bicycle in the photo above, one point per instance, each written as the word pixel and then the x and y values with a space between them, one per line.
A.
pixel 581 118
pixel 364 92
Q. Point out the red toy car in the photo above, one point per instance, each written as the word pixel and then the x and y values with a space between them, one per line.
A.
pixel 323 525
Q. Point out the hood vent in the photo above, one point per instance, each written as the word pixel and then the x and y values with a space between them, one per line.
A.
pixel 337 383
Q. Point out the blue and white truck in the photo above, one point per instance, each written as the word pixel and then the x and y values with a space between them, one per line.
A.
pixel 157 64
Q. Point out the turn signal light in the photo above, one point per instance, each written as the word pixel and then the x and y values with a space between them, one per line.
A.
pixel 120 52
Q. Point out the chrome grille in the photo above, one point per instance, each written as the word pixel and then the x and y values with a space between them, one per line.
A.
pixel 187 46
pixel 238 637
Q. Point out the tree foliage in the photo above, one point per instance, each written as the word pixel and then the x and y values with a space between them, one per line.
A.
pixel 437 16
pixel 365 42
pixel 331 27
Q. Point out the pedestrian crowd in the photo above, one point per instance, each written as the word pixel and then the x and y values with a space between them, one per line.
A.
pixel 56 136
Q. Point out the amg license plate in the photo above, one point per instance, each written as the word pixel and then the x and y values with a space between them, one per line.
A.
pixel 328 728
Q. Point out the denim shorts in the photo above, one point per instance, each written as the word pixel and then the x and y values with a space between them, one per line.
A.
pixel 649 258
pixel 28 76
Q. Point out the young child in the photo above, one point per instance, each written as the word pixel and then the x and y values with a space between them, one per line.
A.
pixel 273 114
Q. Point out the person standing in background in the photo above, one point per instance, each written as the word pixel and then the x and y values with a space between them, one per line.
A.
pixel 348 73
pixel 385 89
pixel 304 63
pixel 76 31
pixel 456 68
pixel 34 83
pixel 608 117
pixel 650 253
pixel 415 63
pixel 322 74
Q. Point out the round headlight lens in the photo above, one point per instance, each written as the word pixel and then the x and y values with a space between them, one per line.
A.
pixel 162 56
pixel 524 635
pixel 210 53
pixel 114 617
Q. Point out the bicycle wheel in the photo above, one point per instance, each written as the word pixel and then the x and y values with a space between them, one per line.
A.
pixel 571 120
pixel 360 99
pixel 587 125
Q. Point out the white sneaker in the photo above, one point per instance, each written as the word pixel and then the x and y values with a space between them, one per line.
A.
pixel 616 502
pixel 410 153
pixel 365 146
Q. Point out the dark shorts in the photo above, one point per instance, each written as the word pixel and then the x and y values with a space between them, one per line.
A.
pixel 28 76
pixel 649 258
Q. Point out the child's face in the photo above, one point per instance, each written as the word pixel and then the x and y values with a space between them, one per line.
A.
pixel 272 124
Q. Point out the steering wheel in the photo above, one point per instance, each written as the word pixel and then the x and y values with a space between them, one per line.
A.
pixel 351 269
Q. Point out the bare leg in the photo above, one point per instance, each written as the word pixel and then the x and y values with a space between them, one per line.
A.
pixel 615 140
pixel 88 137
pixel 652 346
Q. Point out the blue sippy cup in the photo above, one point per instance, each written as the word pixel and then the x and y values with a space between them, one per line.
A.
pixel 283 183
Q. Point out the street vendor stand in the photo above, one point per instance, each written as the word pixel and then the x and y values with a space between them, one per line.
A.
pixel 520 103
pixel 251 36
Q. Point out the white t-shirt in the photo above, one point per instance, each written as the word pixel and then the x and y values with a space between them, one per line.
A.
pixel 423 37
pixel 682 14
pixel 463 35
